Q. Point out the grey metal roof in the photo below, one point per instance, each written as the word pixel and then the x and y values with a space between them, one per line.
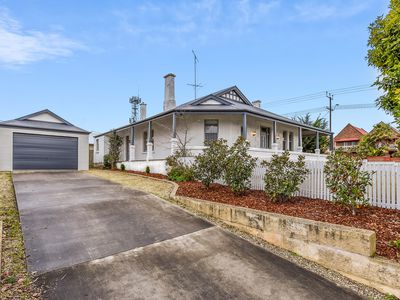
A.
pixel 226 106
pixel 24 122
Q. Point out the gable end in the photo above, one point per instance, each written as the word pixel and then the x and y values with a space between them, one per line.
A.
pixel 44 116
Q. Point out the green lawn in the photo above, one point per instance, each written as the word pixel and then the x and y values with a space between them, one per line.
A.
pixel 16 282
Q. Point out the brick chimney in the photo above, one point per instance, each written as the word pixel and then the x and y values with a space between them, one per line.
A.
pixel 169 94
pixel 143 111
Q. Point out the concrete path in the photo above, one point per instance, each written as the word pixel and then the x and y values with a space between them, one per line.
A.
pixel 88 238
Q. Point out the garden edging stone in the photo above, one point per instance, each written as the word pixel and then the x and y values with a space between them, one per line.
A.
pixel 341 248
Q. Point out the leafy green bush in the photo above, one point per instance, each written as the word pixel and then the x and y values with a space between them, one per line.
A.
pixel 178 170
pixel 395 244
pixel 376 143
pixel 209 165
pixel 106 162
pixel 181 173
pixel 239 166
pixel 114 148
pixel 283 177
pixel 345 179
pixel 122 167
pixel 147 170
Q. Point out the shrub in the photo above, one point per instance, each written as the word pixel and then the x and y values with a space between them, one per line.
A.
pixel 209 165
pixel 178 170
pixel 345 179
pixel 106 162
pixel 147 170
pixel 283 176
pixel 181 174
pixel 122 167
pixel 395 244
pixel 239 166
pixel 114 148
pixel 376 143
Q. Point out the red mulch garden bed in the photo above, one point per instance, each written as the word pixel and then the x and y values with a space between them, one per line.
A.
pixel 385 222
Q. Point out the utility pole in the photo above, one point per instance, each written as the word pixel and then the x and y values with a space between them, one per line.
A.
pixel 330 109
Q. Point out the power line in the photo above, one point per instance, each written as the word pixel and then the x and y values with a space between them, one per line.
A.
pixel 337 107
pixel 322 94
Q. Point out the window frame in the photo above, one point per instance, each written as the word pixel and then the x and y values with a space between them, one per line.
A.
pixel 291 141
pixel 268 135
pixel 285 140
pixel 97 145
pixel 205 133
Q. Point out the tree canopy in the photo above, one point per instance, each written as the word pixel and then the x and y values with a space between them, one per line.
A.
pixel 384 55
pixel 377 142
pixel 309 142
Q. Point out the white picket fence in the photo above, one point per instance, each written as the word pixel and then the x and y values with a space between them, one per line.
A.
pixel 384 191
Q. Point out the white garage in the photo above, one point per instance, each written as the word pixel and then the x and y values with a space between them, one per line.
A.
pixel 43 141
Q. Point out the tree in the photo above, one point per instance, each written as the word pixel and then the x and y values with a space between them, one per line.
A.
pixel 376 143
pixel 114 148
pixel 384 55
pixel 345 179
pixel 309 143
pixel 239 166
pixel 210 165
pixel 283 176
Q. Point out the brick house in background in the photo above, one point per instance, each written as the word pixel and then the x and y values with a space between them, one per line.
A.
pixel 348 137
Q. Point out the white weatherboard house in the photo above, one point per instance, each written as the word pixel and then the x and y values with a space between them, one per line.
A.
pixel 224 114
pixel 42 141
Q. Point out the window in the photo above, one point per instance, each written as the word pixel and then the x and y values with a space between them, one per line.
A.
pixel 265 138
pixel 210 130
pixel 97 145
pixel 285 141
pixel 291 140
pixel 349 144
pixel 145 140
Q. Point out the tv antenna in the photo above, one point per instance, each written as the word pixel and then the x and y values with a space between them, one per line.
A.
pixel 195 85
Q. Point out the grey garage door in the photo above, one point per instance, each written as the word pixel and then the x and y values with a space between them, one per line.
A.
pixel 44 152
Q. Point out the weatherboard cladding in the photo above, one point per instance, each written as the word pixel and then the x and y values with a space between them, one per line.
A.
pixel 240 105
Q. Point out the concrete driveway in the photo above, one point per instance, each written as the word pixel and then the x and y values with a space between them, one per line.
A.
pixel 88 238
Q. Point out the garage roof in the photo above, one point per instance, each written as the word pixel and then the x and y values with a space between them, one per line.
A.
pixel 43 120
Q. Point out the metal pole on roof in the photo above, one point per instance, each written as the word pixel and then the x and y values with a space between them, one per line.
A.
pixel 195 85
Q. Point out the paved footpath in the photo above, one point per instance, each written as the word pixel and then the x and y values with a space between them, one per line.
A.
pixel 89 238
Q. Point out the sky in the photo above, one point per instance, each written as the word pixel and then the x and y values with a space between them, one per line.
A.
pixel 84 59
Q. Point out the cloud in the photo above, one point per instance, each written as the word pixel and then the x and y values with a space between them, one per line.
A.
pixel 316 11
pixel 184 22
pixel 18 46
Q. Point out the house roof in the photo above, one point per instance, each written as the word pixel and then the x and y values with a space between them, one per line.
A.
pixel 395 132
pixel 229 100
pixel 350 133
pixel 30 122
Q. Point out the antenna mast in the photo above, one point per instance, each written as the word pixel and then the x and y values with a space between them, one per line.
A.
pixel 135 102
pixel 195 85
